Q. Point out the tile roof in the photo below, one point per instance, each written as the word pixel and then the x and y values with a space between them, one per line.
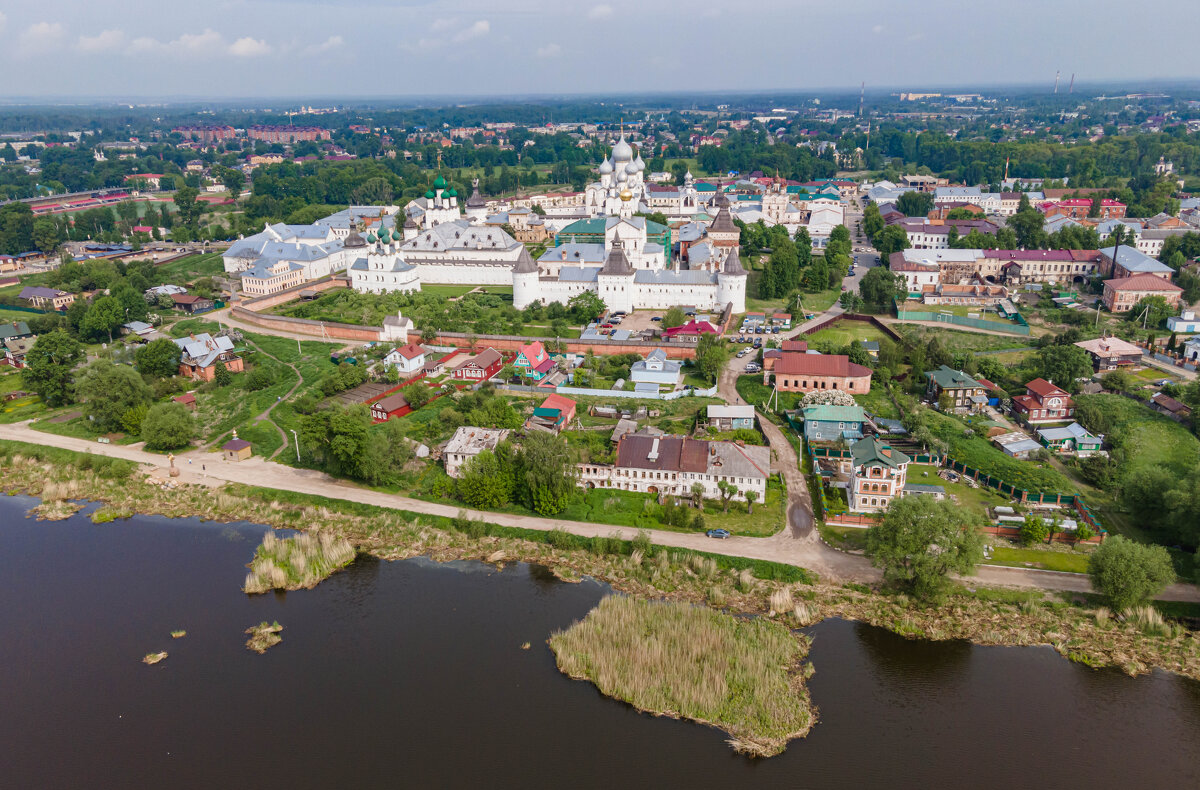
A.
pixel 1143 282
pixel 1044 389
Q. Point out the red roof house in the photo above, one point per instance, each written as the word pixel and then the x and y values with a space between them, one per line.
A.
pixel 1043 402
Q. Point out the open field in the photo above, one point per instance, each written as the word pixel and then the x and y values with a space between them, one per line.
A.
pixel 844 332
pixel 192 267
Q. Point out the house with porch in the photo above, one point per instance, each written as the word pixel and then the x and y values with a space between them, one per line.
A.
pixel 1110 353
pixel 656 369
pixel 201 353
pixel 481 367
pixel 408 360
pixel 532 361
pixel 1073 439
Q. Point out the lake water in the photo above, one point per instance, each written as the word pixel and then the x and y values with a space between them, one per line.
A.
pixel 411 674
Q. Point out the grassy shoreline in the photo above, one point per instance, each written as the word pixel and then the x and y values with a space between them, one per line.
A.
pixel 1086 633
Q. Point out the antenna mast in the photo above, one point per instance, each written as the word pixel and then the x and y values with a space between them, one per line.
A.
pixel 861 94
pixel 1056 81
pixel 1071 88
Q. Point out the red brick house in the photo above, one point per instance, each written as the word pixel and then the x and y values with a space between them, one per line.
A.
pixel 481 367
pixel 1043 402
pixel 1122 294
pixel 798 372
pixel 1079 208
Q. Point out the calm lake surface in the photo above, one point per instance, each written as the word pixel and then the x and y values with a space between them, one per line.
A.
pixel 411 674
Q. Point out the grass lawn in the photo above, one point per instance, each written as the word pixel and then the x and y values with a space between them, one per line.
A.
pixel 960 341
pixel 878 403
pixel 1148 438
pixel 844 538
pixel 979 453
pixel 22 408
pixel 843 332
pixel 1049 559
pixel 79 428
pixel 756 393
pixel 451 291
pixel 8 316
pixel 192 267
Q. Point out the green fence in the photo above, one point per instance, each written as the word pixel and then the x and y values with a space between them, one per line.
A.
pixel 20 308
pixel 1017 327
pixel 1073 501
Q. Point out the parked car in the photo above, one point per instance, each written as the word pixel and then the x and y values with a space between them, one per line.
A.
pixel 656 318
pixel 741 353
pixel 717 533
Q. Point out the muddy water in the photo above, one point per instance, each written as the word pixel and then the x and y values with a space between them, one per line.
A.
pixel 411 674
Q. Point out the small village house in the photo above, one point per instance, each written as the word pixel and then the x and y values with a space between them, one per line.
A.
pixel 656 369
pixel 192 304
pixel 407 360
pixel 554 415
pixel 532 361
pixel 201 353
pixel 1072 439
pixel 236 449
pixel 965 392
pixel 1043 402
pixel 394 405
pixel 481 367
pixel 729 418
pixel 828 423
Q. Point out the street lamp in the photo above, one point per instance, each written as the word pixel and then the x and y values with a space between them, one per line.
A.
pixel 296 441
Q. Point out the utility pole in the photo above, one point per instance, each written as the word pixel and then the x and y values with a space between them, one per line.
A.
pixel 296 441
pixel 1071 88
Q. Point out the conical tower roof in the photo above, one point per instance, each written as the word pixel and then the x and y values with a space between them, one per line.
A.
pixel 476 199
pixel 525 263
pixel 733 264
pixel 617 263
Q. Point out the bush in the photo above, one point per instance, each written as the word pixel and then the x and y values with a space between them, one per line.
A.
pixel 168 426
pixel 259 378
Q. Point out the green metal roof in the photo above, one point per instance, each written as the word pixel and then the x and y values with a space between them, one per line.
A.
pixel 829 413
pixel 948 378
pixel 439 183
pixel 872 452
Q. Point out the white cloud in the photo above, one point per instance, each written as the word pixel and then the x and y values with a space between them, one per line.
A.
pixel 877 29
pixel 104 41
pixel 477 30
pixel 549 51
pixel 601 11
pixel 248 47
pixel 39 36
pixel 328 45
pixel 204 42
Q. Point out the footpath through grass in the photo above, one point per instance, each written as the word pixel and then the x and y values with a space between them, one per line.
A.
pixel 744 676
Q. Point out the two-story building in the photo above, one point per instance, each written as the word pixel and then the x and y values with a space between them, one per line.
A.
pixel 407 360
pixel 1122 294
pixel 201 353
pixel 673 464
pixel 965 392
pixel 1043 402
pixel 877 475
pixel 468 442
pixel 532 361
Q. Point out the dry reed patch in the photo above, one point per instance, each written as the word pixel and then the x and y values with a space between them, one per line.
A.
pixel 154 658
pixel 741 675
pixel 263 636
pixel 298 562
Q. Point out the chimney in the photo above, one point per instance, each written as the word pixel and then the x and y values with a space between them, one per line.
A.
pixel 653 454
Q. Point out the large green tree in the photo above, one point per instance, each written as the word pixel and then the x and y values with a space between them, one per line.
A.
pixel 1063 365
pixel 50 367
pixel 891 239
pixel 878 287
pixel 915 204
pixel 711 356
pixel 1129 573
pixel 548 472
pixel 109 391
pixel 168 426
pixel 104 317
pixel 484 484
pixel 158 358
pixel 920 542
pixel 872 222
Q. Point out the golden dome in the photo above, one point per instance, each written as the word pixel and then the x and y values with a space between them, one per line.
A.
pixel 626 195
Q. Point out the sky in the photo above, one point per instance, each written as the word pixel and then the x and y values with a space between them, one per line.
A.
pixel 366 48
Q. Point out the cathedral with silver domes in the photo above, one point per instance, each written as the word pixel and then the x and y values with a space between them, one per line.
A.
pixel 622 185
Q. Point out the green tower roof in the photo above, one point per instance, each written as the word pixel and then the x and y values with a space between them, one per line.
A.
pixel 452 192
pixel 429 195
pixel 439 183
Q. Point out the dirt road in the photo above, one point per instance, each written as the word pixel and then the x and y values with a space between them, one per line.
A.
pixel 808 553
